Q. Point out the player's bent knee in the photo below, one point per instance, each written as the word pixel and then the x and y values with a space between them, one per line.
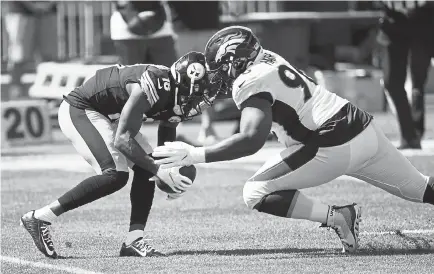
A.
pixel 118 179
pixel 251 195
pixel 277 203
pixel 257 196
pixel 142 174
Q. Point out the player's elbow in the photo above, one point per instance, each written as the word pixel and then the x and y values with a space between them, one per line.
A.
pixel 121 142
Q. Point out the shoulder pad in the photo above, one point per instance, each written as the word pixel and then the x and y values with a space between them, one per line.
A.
pixel 256 79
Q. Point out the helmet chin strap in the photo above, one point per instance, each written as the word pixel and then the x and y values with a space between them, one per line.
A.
pixel 176 107
pixel 191 85
pixel 230 66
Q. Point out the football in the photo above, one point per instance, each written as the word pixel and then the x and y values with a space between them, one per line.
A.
pixel 187 171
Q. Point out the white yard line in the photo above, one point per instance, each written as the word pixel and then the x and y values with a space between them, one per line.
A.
pixel 397 232
pixel 59 267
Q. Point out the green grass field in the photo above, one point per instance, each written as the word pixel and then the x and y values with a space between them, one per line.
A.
pixel 210 230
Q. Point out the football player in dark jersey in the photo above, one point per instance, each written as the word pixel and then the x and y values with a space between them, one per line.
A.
pixel 102 119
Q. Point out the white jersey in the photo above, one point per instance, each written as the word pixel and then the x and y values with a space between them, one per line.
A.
pixel 300 106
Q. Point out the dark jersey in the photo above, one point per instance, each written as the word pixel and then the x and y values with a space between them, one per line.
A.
pixel 106 93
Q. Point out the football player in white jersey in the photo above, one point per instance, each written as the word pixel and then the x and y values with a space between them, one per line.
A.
pixel 325 137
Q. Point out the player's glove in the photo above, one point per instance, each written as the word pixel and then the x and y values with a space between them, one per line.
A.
pixel 178 154
pixel 177 183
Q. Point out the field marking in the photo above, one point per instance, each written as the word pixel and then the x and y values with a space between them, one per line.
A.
pixel 398 232
pixel 65 268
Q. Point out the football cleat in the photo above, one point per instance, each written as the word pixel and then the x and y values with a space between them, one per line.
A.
pixel 139 248
pixel 40 232
pixel 344 220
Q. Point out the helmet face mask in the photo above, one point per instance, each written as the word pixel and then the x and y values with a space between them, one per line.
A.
pixel 191 81
pixel 228 54
pixel 220 79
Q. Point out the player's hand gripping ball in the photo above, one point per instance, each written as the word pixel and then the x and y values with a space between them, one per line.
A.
pixel 187 171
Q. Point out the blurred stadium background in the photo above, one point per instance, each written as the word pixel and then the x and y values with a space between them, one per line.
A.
pixel 333 41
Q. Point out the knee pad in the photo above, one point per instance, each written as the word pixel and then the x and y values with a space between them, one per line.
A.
pixel 142 174
pixel 277 203
pixel 118 179
pixel 94 188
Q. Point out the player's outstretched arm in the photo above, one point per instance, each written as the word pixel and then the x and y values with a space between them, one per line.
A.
pixel 256 119
pixel 255 125
pixel 130 122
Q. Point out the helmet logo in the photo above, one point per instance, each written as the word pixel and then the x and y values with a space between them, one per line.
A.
pixel 229 45
pixel 195 71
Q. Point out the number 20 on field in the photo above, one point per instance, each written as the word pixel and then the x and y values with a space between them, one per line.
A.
pixel 25 122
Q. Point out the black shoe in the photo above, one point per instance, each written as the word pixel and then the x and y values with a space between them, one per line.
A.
pixel 412 145
pixel 139 248
pixel 40 232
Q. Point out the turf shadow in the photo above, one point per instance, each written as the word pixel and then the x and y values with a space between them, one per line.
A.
pixel 252 251
pixel 393 251
pixel 73 257
pixel 307 252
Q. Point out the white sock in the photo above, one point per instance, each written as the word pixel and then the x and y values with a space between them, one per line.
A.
pixel 304 207
pixel 133 235
pixel 45 214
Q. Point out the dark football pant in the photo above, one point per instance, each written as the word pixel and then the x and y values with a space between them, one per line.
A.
pixel 92 134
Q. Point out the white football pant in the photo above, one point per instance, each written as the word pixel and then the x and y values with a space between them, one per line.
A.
pixel 370 157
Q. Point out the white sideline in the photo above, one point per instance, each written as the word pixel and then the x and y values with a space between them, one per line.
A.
pixel 69 269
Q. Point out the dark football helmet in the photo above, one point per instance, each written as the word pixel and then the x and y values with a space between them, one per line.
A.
pixel 228 53
pixel 191 85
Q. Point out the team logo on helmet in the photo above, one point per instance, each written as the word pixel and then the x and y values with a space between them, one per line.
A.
pixel 195 71
pixel 229 45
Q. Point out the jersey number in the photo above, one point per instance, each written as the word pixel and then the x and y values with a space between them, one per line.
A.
pixel 166 84
pixel 292 79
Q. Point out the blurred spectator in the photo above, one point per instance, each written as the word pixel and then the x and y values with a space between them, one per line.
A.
pixel 31 29
pixel 406 30
pixel 142 32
